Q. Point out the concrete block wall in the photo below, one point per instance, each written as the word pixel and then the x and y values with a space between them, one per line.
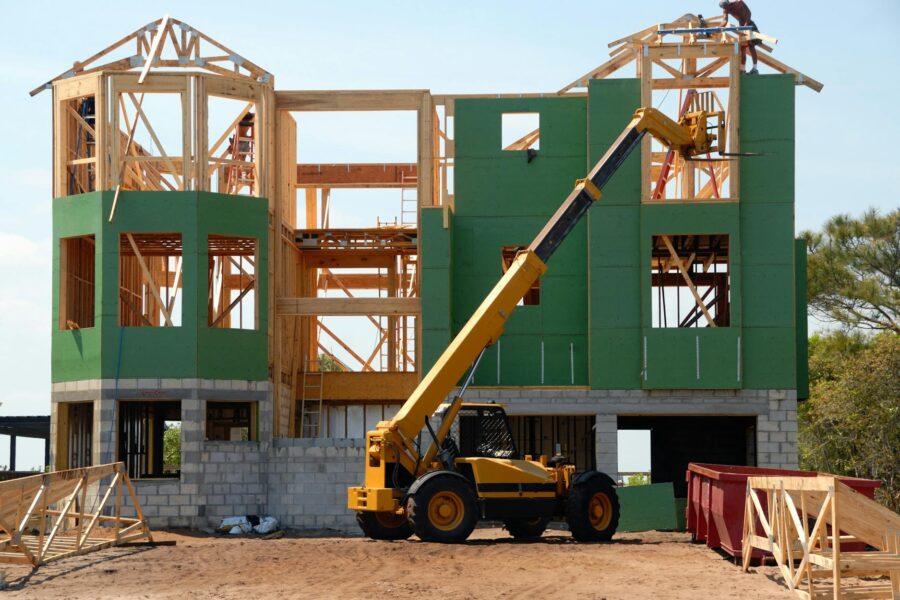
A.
pixel 303 482
pixel 308 479
pixel 775 412
pixel 218 478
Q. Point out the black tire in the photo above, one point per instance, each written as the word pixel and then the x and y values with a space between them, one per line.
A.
pixel 592 510
pixel 443 510
pixel 383 526
pixel 526 529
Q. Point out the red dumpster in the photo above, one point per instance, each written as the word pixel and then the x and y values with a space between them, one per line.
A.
pixel 716 495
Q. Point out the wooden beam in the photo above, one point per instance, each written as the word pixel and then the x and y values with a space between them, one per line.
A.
pixel 348 306
pixel 375 386
pixel 685 84
pixel 349 100
pixel 155 47
pixel 687 279
pixel 357 175
pixel 148 278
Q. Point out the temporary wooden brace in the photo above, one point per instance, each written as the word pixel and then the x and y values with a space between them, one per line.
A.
pixel 44 517
pixel 809 557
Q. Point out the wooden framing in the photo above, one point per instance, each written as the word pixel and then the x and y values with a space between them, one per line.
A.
pixel 805 523
pixel 187 49
pixel 45 518
pixel 254 152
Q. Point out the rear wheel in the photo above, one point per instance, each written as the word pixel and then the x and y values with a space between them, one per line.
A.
pixel 593 510
pixel 383 525
pixel 443 510
pixel 525 529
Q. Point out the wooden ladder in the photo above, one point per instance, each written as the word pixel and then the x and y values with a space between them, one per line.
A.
pixel 311 404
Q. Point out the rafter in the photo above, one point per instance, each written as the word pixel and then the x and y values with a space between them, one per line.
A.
pixel 186 53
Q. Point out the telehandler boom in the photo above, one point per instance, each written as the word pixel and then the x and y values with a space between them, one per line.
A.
pixel 440 493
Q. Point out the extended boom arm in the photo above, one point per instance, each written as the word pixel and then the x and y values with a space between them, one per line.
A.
pixel 689 137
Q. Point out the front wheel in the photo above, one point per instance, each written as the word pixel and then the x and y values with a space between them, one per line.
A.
pixel 383 525
pixel 592 510
pixel 443 510
pixel 526 529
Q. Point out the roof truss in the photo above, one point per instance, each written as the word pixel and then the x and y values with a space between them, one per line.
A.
pixel 166 42
pixel 695 32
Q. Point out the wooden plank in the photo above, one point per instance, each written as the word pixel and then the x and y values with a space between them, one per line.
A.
pixel 801 79
pixel 148 278
pixel 155 47
pixel 348 306
pixel 357 175
pixel 349 100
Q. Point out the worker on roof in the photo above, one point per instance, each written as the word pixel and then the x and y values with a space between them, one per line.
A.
pixel 741 13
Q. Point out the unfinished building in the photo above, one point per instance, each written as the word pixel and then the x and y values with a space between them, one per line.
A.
pixel 204 286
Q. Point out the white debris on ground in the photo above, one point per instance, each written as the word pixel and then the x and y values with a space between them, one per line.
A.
pixel 248 524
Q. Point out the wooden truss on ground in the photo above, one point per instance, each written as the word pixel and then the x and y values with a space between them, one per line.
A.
pixel 806 524
pixel 46 517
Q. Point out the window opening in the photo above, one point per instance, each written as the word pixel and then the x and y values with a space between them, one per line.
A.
pixel 77 282
pixel 150 438
pixel 81 147
pixel 508 255
pixel 690 281
pixel 232 282
pixel 231 421
pixel 150 279
pixel 520 131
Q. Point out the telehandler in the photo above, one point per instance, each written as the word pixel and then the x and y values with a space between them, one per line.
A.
pixel 442 491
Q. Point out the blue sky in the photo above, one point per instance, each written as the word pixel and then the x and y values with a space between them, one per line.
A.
pixel 844 134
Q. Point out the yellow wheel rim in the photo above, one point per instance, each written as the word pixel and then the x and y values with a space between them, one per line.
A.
pixel 600 511
pixel 390 520
pixel 446 510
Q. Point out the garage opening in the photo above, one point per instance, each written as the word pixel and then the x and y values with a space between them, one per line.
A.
pixel 677 441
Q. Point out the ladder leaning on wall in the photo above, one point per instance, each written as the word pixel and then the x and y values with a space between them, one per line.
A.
pixel 311 404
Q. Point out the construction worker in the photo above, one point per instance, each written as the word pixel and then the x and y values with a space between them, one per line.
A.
pixel 741 13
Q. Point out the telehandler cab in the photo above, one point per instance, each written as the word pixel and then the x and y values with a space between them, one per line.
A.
pixel 440 492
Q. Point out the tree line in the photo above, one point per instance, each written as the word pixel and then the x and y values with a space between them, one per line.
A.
pixel 850 425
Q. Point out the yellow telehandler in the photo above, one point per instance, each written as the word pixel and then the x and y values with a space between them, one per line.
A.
pixel 417 479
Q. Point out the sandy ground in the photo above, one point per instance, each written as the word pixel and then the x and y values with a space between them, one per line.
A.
pixel 490 565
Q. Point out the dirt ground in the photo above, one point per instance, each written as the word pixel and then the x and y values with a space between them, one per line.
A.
pixel 490 565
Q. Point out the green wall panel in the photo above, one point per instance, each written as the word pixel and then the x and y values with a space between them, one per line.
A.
pixel 767 224
pixel 614 243
pixel 191 349
pixel 616 358
pixel 692 358
pixel 598 302
pixel 800 319
pixel 615 297
pixel 767 129
pixel 647 507
pixel 501 200
pixel 769 357
pixel 767 231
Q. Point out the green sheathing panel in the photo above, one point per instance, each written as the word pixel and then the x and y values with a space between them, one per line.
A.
pixel 233 353
pixel 76 354
pixel 767 232
pixel 502 199
pixel 434 258
pixel 191 350
pixel 647 507
pixel 702 357
pixel 614 243
pixel 800 319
